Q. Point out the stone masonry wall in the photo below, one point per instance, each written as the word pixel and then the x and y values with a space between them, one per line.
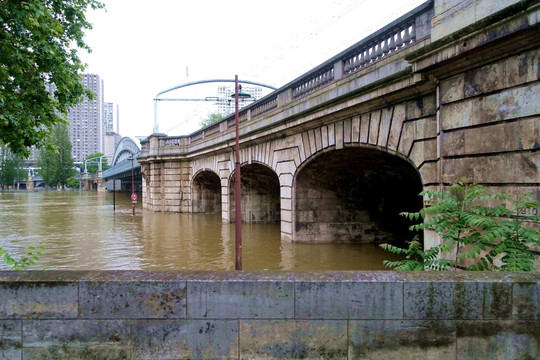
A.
pixel 271 315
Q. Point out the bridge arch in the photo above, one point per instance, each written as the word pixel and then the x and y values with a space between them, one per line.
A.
pixel 125 149
pixel 354 194
pixel 260 190
pixel 206 192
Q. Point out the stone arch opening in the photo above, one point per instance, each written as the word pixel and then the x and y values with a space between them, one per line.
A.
pixel 206 194
pixel 260 192
pixel 355 195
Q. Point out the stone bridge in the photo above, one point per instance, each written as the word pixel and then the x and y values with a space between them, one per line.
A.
pixel 449 90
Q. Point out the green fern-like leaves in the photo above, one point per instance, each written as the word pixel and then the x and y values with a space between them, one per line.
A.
pixel 487 237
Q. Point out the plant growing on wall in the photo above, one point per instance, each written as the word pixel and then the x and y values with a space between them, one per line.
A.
pixel 488 236
pixel 26 261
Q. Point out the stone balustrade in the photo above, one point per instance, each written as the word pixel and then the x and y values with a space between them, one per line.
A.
pixel 397 35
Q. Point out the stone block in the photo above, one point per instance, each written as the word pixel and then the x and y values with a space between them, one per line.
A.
pixel 386 122
pixel 293 339
pixel 525 304
pixel 522 68
pixel 452 89
pixel 498 340
pixel 324 137
pixel 408 135
pixel 48 300
pixel 421 107
pixel 402 339
pixel 285 192
pixel 374 123
pixel 355 129
pixel 286 179
pixel 10 339
pixel 397 126
pixel 120 300
pixel 240 300
pixel 185 339
pixel 342 300
pixel 318 139
pixel 484 80
pixel 331 135
pixel 76 339
pixel 457 300
pixel 364 128
pixel 286 167
pixel 313 134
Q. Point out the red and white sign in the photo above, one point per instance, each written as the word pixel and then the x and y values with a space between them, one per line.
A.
pixel 134 197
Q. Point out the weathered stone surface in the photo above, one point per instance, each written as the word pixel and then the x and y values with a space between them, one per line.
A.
pixel 525 301
pixel 293 339
pixel 48 300
pixel 457 300
pixel 76 339
pixel 240 300
pixel 402 339
pixel 10 339
pixel 364 300
pixel 498 340
pixel 119 300
pixel 185 339
pixel 493 169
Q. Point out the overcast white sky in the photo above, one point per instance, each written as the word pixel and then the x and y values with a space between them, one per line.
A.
pixel 142 47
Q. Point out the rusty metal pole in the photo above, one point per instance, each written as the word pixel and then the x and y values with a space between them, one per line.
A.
pixel 238 220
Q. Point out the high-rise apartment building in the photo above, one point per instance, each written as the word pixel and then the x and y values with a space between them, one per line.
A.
pixel 226 100
pixel 86 130
pixel 111 117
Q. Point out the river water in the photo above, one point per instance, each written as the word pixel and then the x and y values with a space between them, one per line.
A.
pixel 82 232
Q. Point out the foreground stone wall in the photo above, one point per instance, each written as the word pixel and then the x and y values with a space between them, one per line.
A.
pixel 271 315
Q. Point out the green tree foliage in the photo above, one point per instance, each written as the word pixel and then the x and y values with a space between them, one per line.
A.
pixel 55 159
pixel 210 120
pixel 92 165
pixel 11 167
pixel 72 182
pixel 40 71
pixel 479 229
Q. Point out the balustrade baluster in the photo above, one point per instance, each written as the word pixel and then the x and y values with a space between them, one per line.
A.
pixel 378 51
pixel 406 36
pixel 385 47
pixel 392 45
pixel 362 58
pixel 413 32
pixel 373 56
pixel 399 41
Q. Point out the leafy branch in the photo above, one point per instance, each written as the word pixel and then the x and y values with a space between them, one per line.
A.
pixel 491 237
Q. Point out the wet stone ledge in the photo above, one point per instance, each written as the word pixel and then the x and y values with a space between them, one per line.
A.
pixel 270 315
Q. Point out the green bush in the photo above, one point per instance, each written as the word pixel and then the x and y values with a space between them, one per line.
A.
pixel 485 235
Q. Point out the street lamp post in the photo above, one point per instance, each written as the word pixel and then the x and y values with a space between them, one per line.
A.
pixel 237 196
pixel 238 220
pixel 133 200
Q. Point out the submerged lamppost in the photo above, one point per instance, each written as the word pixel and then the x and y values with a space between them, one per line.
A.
pixel 238 220
pixel 133 194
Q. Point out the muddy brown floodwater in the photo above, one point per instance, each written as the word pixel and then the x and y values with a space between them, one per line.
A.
pixel 81 232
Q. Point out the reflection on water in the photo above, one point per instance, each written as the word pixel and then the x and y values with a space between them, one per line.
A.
pixel 81 232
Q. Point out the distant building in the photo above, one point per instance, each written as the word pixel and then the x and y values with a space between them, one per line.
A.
pixel 86 121
pixel 226 99
pixel 111 141
pixel 111 121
